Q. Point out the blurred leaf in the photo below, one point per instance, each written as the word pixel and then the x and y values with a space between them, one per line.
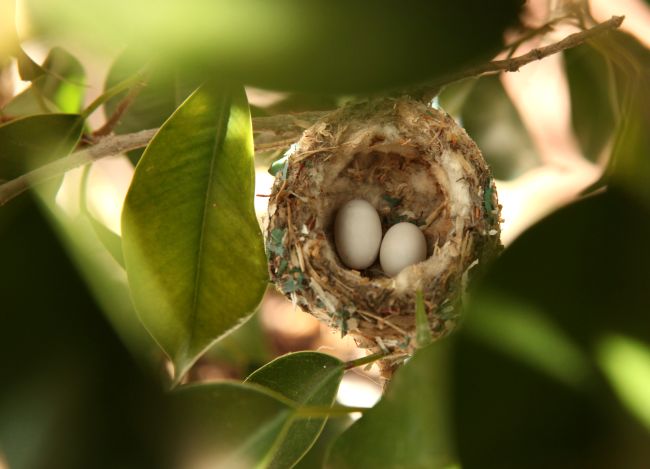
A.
pixel 193 248
pixel 27 68
pixel 493 122
pixel 629 165
pixel 627 364
pixel 33 141
pixel 163 90
pixel 316 456
pixel 525 364
pixel 71 395
pixel 229 425
pixel 592 115
pixel 244 350
pixel 111 241
pixel 60 88
pixel 307 378
pixel 409 427
pixel 319 46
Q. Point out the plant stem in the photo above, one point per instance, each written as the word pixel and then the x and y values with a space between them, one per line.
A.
pixel 364 360
pixel 324 411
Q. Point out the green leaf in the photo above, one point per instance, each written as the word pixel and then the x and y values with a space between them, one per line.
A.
pixel 110 240
pixel 193 248
pixel 307 378
pixel 540 337
pixel 60 88
pixel 28 70
pixel 629 61
pixel 72 395
pixel 316 46
pixel 33 141
pixel 227 424
pixel 409 426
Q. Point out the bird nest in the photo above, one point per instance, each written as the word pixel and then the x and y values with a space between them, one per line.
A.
pixel 412 163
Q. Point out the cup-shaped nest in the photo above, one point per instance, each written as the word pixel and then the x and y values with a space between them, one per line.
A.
pixel 412 163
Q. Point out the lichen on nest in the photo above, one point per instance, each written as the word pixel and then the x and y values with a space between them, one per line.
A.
pixel 412 163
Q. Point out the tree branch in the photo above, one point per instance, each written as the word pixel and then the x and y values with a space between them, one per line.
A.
pixel 272 132
pixel 513 64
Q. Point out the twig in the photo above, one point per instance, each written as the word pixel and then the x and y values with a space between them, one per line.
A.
pixel 513 64
pixel 116 144
pixel 123 105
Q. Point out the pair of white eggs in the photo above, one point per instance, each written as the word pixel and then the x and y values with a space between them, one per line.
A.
pixel 357 234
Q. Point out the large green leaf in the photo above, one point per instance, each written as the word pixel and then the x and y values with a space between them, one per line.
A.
pixel 307 378
pixel 72 396
pixel 226 424
pixel 60 88
pixel 193 248
pixel 32 141
pixel 320 45
pixel 526 378
pixel 409 427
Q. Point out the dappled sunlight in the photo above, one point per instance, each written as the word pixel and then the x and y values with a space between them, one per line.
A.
pixel 526 333
pixel 626 362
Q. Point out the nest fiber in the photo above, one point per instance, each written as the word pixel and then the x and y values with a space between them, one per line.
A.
pixel 412 163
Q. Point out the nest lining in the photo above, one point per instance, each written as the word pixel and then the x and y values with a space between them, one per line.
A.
pixel 412 163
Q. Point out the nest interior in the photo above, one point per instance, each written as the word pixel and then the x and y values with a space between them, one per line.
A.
pixel 412 163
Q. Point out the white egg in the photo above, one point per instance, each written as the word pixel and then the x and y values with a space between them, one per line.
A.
pixel 403 245
pixel 357 234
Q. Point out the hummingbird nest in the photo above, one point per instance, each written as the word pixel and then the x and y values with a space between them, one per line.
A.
pixel 413 163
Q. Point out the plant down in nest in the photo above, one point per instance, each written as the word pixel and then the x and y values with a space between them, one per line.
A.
pixel 412 163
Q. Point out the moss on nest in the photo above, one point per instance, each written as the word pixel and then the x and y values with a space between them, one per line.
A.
pixel 412 163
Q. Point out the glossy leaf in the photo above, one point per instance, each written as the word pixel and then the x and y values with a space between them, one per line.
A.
pixel 59 88
pixel 193 248
pixel 227 424
pixel 409 427
pixel 33 141
pixel 318 46
pixel 307 378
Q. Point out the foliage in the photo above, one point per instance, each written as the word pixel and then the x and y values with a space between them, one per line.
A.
pixel 550 368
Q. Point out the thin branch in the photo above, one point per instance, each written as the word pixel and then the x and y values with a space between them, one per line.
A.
pixel 123 105
pixel 109 146
pixel 117 144
pixel 513 64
